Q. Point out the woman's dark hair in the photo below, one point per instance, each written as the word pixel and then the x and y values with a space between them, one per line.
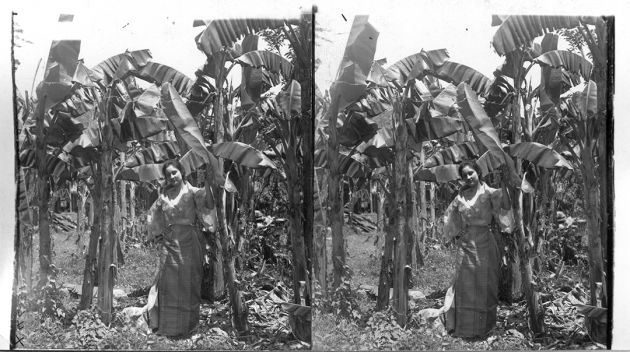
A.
pixel 173 162
pixel 472 164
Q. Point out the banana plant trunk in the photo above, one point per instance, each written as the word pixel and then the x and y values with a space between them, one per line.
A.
pixel 320 258
pixel 132 209
pixel 334 196
pixel 43 197
pixel 386 274
pixel 401 179
pixel 106 264
pixel 239 310
pixel 593 211
pixel 90 270
pixel 298 248
pixel 305 78
pixel 123 212
pixel 536 314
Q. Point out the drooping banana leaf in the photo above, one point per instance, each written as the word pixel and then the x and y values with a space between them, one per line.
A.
pixel 456 73
pixel 54 166
pixel 352 167
pixel 360 47
pixel 445 100
pixel 60 69
pixel 186 126
pixel 373 103
pixel 350 81
pixel 476 117
pixel 348 165
pixel 488 162
pixel 289 99
pixel 378 149
pixel 539 154
pixel 251 86
pixel 159 74
pixel 64 53
pixel 82 75
pixel 200 94
pixel 242 154
pixel 147 101
pixel 569 61
pixel 442 173
pixel 453 155
pixel 105 71
pixel 155 154
pixel 143 173
pixel 518 30
pixel 417 65
pixel 270 61
pixel 427 129
pixel 380 76
pixel 226 32
pixel 588 105
pixel 356 129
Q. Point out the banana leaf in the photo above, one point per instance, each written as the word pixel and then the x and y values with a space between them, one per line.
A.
pixel 289 99
pixel 588 105
pixel 456 73
pixel 445 100
pixel 569 61
pixel 427 129
pixel 356 129
pixel 226 32
pixel 242 154
pixel 159 74
pixel 54 166
pixel 147 101
pixel 186 126
pixel 488 162
pixel 360 47
pixel 380 76
pixel 549 42
pixel 518 30
pixel 142 173
pixel 378 149
pixel 453 155
pixel 372 102
pixel 270 61
pixel 82 75
pixel 442 173
pixel 539 154
pixel 251 86
pixel 475 115
pixel 105 71
pixel 155 154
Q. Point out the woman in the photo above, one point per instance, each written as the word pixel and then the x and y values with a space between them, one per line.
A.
pixel 471 303
pixel 172 219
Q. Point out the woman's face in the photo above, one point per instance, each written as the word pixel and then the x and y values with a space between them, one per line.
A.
pixel 173 176
pixel 470 177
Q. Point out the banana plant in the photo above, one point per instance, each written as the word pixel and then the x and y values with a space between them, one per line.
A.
pixel 260 70
pixel 513 33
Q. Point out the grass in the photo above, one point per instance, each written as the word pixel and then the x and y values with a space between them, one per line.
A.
pixel 376 331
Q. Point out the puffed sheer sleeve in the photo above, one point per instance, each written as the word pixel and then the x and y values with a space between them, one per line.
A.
pixel 452 220
pixel 156 221
pixel 205 212
pixel 504 217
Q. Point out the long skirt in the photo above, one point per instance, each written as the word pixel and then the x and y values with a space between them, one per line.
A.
pixel 178 285
pixel 475 286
